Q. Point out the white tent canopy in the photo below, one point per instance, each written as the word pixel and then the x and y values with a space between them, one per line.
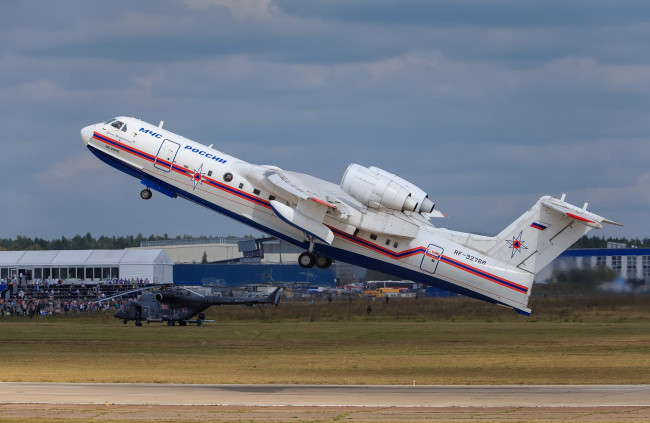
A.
pixel 90 266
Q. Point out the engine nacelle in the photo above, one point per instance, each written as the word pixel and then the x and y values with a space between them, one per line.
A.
pixel 424 204
pixel 374 187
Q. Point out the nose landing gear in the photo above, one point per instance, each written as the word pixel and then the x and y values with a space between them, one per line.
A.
pixel 145 194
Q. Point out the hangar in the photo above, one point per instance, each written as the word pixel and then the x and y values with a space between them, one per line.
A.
pixel 629 263
pixel 88 266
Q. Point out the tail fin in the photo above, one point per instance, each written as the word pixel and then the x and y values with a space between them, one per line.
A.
pixel 274 297
pixel 543 233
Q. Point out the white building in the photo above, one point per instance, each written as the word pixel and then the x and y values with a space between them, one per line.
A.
pixel 88 266
pixel 629 263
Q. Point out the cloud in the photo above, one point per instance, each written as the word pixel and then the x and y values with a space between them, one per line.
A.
pixel 73 168
pixel 477 103
pixel 242 10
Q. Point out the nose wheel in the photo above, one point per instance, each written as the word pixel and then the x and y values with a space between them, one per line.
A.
pixel 145 194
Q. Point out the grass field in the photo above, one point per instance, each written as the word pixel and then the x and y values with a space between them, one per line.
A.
pixel 426 341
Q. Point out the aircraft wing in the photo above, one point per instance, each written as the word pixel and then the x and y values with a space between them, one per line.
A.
pixel 307 187
pixel 317 198
pixel 314 197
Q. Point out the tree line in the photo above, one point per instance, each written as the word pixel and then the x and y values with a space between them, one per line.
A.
pixel 601 242
pixel 88 242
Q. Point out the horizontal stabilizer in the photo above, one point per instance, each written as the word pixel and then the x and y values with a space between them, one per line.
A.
pixel 577 214
pixel 303 222
pixel 611 222
pixel 541 234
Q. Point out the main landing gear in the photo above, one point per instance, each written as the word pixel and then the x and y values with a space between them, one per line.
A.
pixel 145 194
pixel 309 259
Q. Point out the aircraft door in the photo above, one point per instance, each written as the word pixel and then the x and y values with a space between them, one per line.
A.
pixel 166 155
pixel 431 258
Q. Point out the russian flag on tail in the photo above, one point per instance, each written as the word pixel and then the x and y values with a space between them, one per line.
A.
pixel 538 225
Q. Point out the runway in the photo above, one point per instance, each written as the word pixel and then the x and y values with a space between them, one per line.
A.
pixel 327 396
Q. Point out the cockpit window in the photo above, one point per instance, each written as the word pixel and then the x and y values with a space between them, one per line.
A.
pixel 109 121
pixel 124 128
pixel 117 124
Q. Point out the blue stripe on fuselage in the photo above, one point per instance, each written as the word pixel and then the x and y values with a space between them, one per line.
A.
pixel 332 252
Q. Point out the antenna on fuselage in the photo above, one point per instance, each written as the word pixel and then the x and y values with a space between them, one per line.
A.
pixel 162 122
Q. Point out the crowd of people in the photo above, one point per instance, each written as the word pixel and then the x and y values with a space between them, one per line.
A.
pixel 31 306
pixel 46 299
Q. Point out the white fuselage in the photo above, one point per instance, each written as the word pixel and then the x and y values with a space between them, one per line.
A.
pixel 400 243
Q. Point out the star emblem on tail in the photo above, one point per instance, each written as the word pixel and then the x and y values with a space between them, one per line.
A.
pixel 517 244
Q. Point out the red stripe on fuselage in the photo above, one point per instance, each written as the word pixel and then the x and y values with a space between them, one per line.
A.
pixel 180 170
pixel 445 259
pixel 356 240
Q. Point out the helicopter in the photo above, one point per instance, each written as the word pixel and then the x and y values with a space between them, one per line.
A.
pixel 178 305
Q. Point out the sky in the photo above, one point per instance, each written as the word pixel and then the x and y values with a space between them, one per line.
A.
pixel 485 105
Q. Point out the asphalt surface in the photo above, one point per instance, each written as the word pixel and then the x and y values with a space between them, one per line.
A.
pixel 327 396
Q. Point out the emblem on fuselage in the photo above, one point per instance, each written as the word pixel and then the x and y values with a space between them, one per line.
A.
pixel 198 176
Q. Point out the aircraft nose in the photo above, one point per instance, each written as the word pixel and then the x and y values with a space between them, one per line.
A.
pixel 87 133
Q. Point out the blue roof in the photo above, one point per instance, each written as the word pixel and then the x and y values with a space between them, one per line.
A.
pixel 592 252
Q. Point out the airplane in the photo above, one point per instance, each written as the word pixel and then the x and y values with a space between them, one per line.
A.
pixel 178 305
pixel 373 218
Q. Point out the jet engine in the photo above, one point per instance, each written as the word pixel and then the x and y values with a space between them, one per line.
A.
pixel 374 187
